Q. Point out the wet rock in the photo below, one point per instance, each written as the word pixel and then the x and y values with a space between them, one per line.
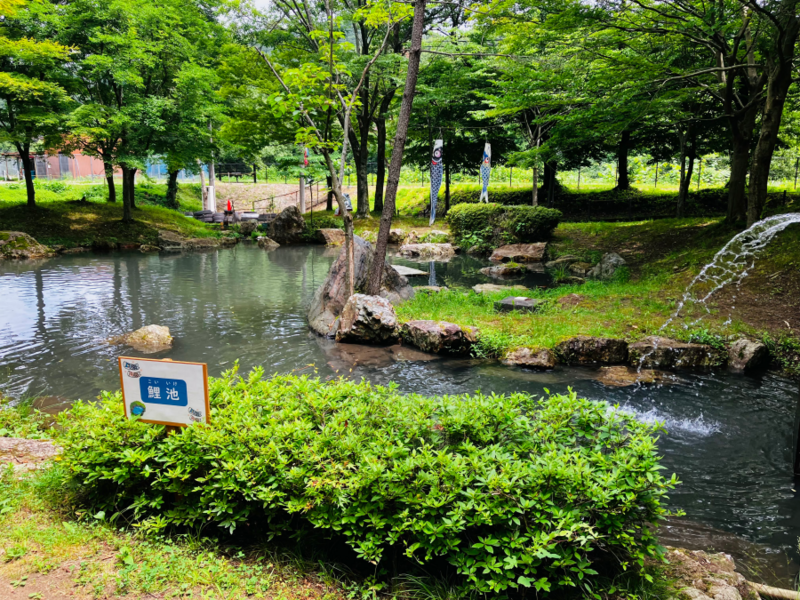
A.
pixel 607 266
pixel 440 251
pixel 331 296
pixel 169 240
pixel 491 288
pixel 15 244
pixel 439 337
pixel 330 237
pixel 584 349
pixel 565 260
pixel 429 289
pixel 246 228
pixel 570 300
pixel 518 304
pixel 267 244
pixel 663 353
pixel 148 339
pixel 748 355
pixel 367 320
pixel 26 454
pixel 530 358
pixel 148 248
pixel 78 250
pixel 396 236
pixel 706 576
pixel 288 227
pixel 580 269
pixel 408 271
pixel 520 253
pixel 535 268
pixel 504 271
pixel 621 376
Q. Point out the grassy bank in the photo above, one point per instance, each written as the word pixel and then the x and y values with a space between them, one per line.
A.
pixel 79 215
pixel 663 257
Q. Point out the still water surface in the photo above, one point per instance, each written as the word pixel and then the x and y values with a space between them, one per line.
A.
pixel 729 436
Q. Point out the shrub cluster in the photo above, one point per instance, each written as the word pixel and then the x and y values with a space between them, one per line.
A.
pixel 513 491
pixel 490 225
pixel 320 222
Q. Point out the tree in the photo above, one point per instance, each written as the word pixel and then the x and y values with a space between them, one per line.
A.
pixel 32 95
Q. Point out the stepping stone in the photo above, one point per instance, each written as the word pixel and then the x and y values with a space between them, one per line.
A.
pixel 490 288
pixel 517 304
pixel 408 271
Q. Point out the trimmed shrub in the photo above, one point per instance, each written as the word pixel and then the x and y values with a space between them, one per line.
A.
pixel 490 225
pixel 320 222
pixel 513 491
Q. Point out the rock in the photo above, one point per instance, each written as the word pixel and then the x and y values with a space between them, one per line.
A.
pixel 148 248
pixel 492 288
pixel 413 237
pixel 78 250
pixel 26 454
pixel 565 260
pixel 570 300
pixel 535 268
pixel 267 244
pixel 331 296
pixel 518 304
pixel 439 337
pixel 532 359
pixel 15 244
pixel 104 246
pixel 148 339
pixel 520 253
pixel 169 240
pixel 408 271
pixel 367 320
pixel 504 271
pixel 607 266
pixel 585 349
pixel 396 236
pixel 580 269
pixel 702 575
pixel 664 353
pixel 747 355
pixel 288 227
pixel 429 289
pixel 572 280
pixel 330 237
pixel 445 251
pixel 626 376
pixel 436 236
pixel 246 228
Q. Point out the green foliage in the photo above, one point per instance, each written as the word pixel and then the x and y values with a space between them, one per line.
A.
pixel 704 336
pixel 21 420
pixel 493 225
pixel 53 185
pixel 785 348
pixel 513 491
pixel 435 238
pixel 320 222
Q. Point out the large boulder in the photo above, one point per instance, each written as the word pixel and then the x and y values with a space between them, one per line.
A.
pixel 657 352
pixel 288 227
pixel 432 251
pixel 367 320
pixel 520 253
pixel 148 339
pixel 15 244
pixel 330 237
pixel 246 228
pixel 530 358
pixel 622 376
pixel 607 266
pixel 584 349
pixel 267 244
pixel 700 575
pixel 331 296
pixel 504 271
pixel 748 355
pixel 439 337
pixel 169 240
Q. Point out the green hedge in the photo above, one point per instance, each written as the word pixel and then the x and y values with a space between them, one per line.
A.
pixel 511 490
pixel 491 225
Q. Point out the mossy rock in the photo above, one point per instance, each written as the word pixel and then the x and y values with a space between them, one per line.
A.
pixel 15 244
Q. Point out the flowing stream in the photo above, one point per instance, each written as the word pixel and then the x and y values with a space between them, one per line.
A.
pixel 729 436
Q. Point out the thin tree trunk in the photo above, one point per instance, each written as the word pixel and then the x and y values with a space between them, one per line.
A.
pixel 329 182
pixel 171 199
pixel 380 171
pixel 623 183
pixel 127 192
pixel 687 151
pixel 108 168
pixel 131 183
pixel 379 259
pixel 27 166
pixel 742 135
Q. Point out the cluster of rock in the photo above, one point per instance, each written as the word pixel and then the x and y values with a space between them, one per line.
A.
pixel 580 270
pixel 514 260
pixel 700 575
pixel 169 241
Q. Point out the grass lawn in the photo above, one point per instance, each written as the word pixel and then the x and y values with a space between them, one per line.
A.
pixel 62 216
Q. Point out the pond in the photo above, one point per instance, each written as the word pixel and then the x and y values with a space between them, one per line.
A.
pixel 729 436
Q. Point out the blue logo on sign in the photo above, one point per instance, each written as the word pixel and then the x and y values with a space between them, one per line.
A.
pixel 171 392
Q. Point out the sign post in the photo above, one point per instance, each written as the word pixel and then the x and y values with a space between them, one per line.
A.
pixel 164 392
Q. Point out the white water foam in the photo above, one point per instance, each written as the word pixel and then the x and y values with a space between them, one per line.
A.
pixel 699 425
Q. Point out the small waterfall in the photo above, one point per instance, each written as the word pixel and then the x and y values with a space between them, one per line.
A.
pixel 432 273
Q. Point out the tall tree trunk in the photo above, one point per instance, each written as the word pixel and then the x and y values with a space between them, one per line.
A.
pixel 329 183
pixel 127 192
pixel 549 182
pixel 131 183
pixel 171 199
pixel 687 151
pixel 28 167
pixel 623 182
pixel 742 136
pixel 380 171
pixel 379 259
pixel 108 168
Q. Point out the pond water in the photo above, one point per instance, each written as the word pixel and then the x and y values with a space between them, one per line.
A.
pixel 729 436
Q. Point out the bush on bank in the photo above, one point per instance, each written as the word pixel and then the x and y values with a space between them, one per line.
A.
pixel 490 225
pixel 513 491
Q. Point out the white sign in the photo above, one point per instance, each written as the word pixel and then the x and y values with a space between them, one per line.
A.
pixel 164 392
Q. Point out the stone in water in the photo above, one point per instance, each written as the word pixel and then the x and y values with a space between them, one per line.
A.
pixel 408 271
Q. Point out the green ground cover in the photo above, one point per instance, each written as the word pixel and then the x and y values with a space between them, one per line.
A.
pixel 79 215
